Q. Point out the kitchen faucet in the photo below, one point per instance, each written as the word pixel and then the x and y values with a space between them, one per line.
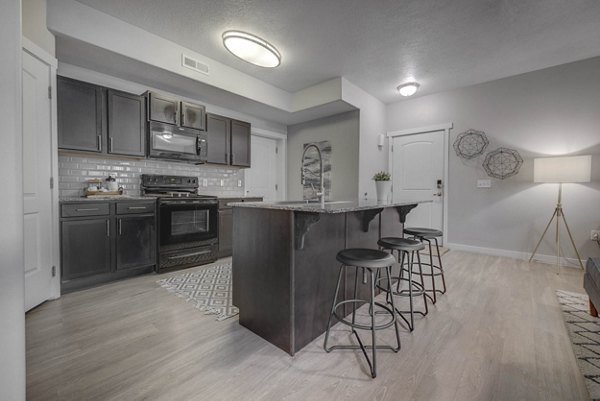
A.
pixel 321 193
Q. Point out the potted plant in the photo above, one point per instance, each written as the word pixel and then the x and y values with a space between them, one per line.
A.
pixel 383 185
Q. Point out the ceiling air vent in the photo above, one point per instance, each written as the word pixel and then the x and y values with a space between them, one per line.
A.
pixel 194 64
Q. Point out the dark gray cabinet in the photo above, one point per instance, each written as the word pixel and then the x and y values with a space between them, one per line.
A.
pixel 136 238
pixel 218 129
pixel 240 143
pixel 86 247
pixel 162 108
pixel 81 123
pixel 106 240
pixel 126 124
pixel 226 223
pixel 228 141
pixel 193 116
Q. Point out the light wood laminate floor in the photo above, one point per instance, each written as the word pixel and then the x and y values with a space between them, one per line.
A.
pixel 497 334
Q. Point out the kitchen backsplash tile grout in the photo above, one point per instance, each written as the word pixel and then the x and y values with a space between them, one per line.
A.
pixel 75 171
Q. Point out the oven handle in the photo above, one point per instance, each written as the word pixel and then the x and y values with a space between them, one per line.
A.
pixel 189 254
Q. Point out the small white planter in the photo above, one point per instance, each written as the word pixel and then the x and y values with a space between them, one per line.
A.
pixel 383 190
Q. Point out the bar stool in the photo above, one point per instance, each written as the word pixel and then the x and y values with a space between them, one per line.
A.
pixel 427 235
pixel 406 249
pixel 370 262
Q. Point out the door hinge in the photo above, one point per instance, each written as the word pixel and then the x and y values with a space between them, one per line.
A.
pixel 53 271
pixel 49 92
pixel 276 187
pixel 392 148
pixel 51 182
pixel 276 149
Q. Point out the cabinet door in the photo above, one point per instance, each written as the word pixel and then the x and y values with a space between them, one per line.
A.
pixel 225 232
pixel 218 129
pixel 162 109
pixel 80 115
pixel 136 241
pixel 126 124
pixel 240 143
pixel 85 246
pixel 193 116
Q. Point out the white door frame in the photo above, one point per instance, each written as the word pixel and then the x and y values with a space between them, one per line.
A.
pixel 282 159
pixel 52 63
pixel 446 127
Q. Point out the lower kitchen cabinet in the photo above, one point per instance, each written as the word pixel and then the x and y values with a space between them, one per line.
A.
pixel 136 241
pixel 105 241
pixel 226 224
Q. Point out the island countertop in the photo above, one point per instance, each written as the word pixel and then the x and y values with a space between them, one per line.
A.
pixel 330 207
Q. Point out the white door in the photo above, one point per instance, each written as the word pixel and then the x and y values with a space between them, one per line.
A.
pixel 37 171
pixel 262 176
pixel 418 163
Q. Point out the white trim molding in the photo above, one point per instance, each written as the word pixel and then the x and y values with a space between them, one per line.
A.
pixel 446 127
pixel 546 259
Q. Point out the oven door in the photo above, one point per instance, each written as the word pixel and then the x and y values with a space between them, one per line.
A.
pixel 168 142
pixel 187 221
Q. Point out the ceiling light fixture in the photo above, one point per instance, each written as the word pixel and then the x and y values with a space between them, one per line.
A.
pixel 408 89
pixel 251 48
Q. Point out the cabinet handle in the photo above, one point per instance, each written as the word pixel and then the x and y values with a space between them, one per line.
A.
pixel 226 157
pixel 99 143
pixel 86 209
pixel 182 118
pixel 136 207
pixel 108 228
pixel 189 254
pixel 175 116
pixel 120 231
pixel 232 158
pixel 110 148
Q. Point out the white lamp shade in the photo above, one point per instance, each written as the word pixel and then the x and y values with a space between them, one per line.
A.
pixel 563 169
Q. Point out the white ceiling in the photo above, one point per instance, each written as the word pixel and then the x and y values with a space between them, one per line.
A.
pixel 378 44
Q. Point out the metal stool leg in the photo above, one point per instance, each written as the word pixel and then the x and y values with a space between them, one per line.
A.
pixel 337 289
pixel 434 292
pixel 437 246
pixel 388 271
pixel 373 344
pixel 422 282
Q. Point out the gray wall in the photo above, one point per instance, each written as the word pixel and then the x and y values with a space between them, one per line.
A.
pixel 12 316
pixel 34 25
pixel 342 131
pixel 549 112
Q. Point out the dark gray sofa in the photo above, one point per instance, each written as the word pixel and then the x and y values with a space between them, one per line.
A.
pixel 591 283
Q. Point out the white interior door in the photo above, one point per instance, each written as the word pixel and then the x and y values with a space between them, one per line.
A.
pixel 37 172
pixel 262 176
pixel 418 163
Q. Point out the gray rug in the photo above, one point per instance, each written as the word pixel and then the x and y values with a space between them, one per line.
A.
pixel 584 332
pixel 208 289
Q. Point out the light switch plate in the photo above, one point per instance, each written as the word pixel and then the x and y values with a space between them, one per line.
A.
pixel 239 183
pixel 204 182
pixel 222 182
pixel 485 183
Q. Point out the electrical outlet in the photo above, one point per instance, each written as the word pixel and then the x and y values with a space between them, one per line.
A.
pixel 204 182
pixel 595 236
pixel 239 183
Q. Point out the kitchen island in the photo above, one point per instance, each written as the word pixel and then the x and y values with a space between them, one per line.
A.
pixel 284 265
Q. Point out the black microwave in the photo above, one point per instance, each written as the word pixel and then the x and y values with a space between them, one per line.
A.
pixel 176 143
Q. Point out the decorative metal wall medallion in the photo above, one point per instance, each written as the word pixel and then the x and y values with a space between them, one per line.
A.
pixel 502 163
pixel 470 144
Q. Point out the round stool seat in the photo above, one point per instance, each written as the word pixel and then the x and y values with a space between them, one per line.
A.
pixel 400 244
pixel 423 232
pixel 362 257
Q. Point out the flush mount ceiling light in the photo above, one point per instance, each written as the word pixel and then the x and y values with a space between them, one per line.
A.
pixel 408 89
pixel 251 48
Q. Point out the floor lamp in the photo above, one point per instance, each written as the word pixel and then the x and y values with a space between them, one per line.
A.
pixel 561 170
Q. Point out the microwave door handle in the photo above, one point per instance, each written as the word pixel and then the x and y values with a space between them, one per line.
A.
pixel 197 145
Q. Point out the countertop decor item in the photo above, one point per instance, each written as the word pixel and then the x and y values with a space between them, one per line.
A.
pixel 561 170
pixel 470 144
pixel 502 163
pixel 383 185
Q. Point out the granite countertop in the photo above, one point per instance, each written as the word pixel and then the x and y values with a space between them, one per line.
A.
pixel 330 207
pixel 71 199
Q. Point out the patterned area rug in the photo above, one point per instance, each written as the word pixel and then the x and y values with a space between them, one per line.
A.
pixel 584 331
pixel 209 289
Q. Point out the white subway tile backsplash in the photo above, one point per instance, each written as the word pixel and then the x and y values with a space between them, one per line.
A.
pixel 75 171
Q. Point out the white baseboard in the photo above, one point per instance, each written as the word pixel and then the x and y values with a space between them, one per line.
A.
pixel 549 259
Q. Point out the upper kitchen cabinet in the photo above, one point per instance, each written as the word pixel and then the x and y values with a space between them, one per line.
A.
pixel 218 129
pixel 80 115
pixel 228 141
pixel 240 143
pixel 95 119
pixel 172 111
pixel 162 108
pixel 193 116
pixel 126 124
